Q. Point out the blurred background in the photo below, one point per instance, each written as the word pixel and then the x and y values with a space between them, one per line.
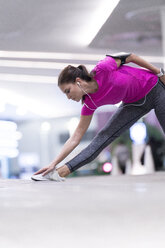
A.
pixel 38 39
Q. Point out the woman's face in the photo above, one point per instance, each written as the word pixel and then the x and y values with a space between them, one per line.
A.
pixel 72 91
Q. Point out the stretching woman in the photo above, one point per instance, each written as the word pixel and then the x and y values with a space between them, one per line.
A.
pixel 109 82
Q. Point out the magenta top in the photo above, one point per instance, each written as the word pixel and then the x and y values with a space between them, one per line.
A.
pixel 116 84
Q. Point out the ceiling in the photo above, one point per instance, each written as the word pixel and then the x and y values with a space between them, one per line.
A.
pixel 53 35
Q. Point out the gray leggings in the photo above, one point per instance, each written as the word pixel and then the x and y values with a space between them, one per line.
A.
pixel 124 118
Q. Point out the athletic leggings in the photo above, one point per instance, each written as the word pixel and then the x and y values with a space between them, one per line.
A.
pixel 123 119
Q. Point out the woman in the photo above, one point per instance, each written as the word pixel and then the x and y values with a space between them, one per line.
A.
pixel 110 82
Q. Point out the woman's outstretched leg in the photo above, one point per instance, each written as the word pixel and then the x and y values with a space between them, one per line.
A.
pixel 123 119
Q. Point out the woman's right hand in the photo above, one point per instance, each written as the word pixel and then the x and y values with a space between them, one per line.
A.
pixel 45 170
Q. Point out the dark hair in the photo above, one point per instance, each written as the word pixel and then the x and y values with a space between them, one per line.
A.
pixel 70 73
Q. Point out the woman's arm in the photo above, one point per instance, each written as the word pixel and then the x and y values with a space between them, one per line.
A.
pixel 143 63
pixel 123 58
pixel 139 61
pixel 70 144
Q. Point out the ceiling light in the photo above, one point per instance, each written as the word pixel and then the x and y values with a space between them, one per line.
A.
pixel 44 55
pixel 97 19
pixel 36 64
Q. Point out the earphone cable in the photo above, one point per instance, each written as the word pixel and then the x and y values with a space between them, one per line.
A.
pixel 89 98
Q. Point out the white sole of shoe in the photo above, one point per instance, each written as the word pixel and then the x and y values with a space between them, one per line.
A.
pixel 39 178
pixel 52 176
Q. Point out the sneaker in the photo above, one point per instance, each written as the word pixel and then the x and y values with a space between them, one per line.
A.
pixel 39 177
pixel 51 176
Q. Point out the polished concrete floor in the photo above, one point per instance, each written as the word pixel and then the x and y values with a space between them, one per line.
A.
pixel 104 211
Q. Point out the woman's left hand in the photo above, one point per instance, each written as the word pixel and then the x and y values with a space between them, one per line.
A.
pixel 162 78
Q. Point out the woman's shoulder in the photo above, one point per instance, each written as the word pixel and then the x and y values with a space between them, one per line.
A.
pixel 106 64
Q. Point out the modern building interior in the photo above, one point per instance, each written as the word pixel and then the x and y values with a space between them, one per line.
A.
pixel 117 200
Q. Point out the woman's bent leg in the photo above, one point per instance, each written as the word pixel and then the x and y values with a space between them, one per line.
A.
pixel 160 105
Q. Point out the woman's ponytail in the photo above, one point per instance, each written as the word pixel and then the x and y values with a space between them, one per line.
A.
pixel 85 74
pixel 70 73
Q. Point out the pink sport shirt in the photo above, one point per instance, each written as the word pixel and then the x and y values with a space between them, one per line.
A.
pixel 116 84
